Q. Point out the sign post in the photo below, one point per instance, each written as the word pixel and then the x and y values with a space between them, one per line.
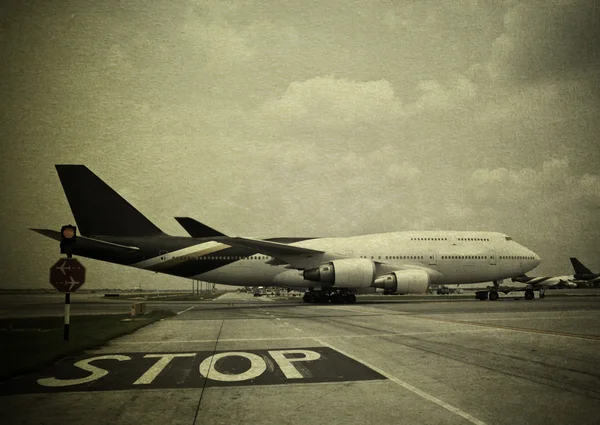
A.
pixel 67 275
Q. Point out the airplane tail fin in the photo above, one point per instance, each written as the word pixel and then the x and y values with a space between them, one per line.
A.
pixel 578 267
pixel 98 209
pixel 197 229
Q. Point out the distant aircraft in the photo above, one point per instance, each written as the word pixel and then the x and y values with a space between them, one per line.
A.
pixel 546 281
pixel 584 276
pixel 331 269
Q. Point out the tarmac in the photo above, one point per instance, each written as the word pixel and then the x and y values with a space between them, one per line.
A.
pixel 244 360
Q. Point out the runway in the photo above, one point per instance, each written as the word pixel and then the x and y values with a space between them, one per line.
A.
pixel 242 360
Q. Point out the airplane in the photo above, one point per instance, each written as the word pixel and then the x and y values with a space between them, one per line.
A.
pixel 565 281
pixel 330 269
pixel 539 283
pixel 584 276
pixel 62 267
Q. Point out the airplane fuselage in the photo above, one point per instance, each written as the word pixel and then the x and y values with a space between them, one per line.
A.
pixel 449 257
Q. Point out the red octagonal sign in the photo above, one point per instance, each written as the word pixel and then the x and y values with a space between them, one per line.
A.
pixel 67 275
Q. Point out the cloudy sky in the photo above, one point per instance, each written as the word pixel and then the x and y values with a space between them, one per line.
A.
pixel 307 118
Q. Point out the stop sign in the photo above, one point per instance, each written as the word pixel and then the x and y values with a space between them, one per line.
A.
pixel 67 275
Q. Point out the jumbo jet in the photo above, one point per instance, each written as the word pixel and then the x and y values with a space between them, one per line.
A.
pixel 537 282
pixel 330 269
pixel 584 276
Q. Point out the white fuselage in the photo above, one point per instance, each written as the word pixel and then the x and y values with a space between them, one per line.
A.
pixel 449 257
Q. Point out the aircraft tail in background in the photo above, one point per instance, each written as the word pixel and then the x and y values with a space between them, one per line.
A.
pixel 578 267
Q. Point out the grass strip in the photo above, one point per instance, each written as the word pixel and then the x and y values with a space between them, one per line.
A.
pixel 33 343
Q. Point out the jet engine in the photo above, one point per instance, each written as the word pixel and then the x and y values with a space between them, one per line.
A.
pixel 346 273
pixel 404 282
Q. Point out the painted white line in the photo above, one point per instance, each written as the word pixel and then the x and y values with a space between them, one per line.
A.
pixel 187 309
pixel 277 318
pixel 301 337
pixel 409 387
pixel 369 311
pixel 195 341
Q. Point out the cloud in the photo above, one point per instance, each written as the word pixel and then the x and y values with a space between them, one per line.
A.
pixel 434 95
pixel 331 102
pixel 561 38
pixel 554 182
pixel 338 103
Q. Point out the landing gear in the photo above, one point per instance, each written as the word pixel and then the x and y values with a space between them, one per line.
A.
pixel 481 295
pixel 529 295
pixel 542 292
pixel 337 297
pixel 322 297
pixel 494 295
pixel 309 297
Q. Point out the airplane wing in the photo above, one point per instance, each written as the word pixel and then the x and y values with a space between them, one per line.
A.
pixel 305 258
pixel 502 288
pixel 296 256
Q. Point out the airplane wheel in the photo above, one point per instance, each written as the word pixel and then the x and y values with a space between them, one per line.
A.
pixel 336 298
pixel 529 295
pixel 350 298
pixel 493 296
pixel 322 297
pixel 309 297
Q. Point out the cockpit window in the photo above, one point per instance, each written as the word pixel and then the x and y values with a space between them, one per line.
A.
pixel 508 238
